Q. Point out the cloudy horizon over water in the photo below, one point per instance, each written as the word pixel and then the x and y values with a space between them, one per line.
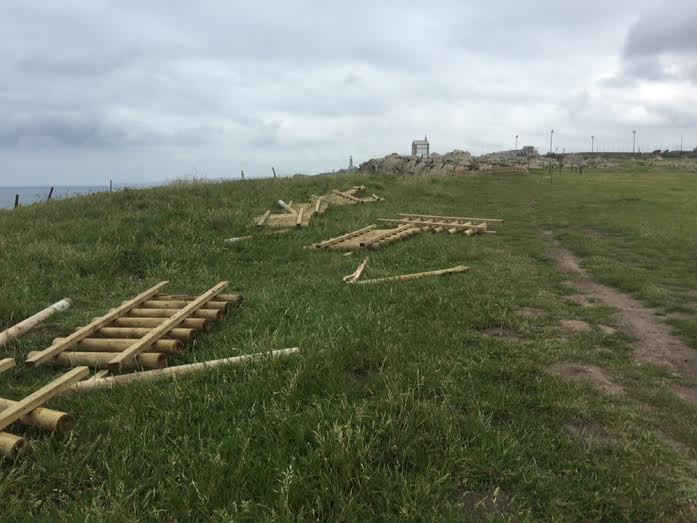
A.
pixel 152 91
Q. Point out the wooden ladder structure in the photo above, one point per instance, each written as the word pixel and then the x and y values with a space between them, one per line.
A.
pixel 141 332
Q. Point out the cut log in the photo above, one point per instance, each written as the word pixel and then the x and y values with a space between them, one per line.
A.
pixel 146 341
pixel 167 347
pixel 416 276
pixel 184 335
pixel 45 393
pixel 10 445
pixel 97 324
pixel 6 364
pixel 234 299
pixel 206 314
pixel 100 360
pixel 45 419
pixel 31 322
pixel 189 323
pixel 179 304
pixel 179 370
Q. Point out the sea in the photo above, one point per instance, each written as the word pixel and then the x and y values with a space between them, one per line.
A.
pixel 29 195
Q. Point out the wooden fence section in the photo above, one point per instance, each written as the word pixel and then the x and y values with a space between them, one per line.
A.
pixel 29 411
pixel 298 215
pixel 367 238
pixel 141 333
pixel 407 226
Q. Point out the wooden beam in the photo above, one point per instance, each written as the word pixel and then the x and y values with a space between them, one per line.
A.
pixel 416 276
pixel 287 206
pixel 94 326
pixel 348 196
pixel 6 364
pixel 159 331
pixel 31 322
pixel 176 371
pixel 355 275
pixel 262 220
pixel 299 219
pixel 41 396
pixel 343 237
pixel 490 220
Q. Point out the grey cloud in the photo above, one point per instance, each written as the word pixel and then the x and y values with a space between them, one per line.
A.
pixel 154 88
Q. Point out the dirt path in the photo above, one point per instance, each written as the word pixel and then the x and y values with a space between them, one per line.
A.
pixel 655 342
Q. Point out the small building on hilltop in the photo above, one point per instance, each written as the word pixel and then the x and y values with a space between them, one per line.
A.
pixel 420 147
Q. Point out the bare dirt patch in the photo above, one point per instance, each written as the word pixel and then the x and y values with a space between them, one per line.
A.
pixel 582 300
pixel 689 394
pixel 606 329
pixel 529 312
pixel 575 326
pixel 502 332
pixel 655 342
pixel 589 433
pixel 681 316
pixel 585 373
pixel 483 505
pixel 677 446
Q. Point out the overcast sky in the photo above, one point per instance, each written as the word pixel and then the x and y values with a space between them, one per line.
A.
pixel 140 91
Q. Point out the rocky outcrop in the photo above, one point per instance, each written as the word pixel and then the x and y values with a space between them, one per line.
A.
pixel 460 162
pixel 455 162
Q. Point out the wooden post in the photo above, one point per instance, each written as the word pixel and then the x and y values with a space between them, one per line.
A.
pixel 16 200
pixel 111 186
pixel 31 322
pixel 95 325
pixel 242 174
pixel 10 445
pixel 262 220
pixel 26 405
pixel 100 360
pixel 6 364
pixel 287 207
pixel 460 218
pixel 179 370
pixel 44 419
pixel 274 172
pixel 147 340
pixel 299 219
pixel 110 345
pixel 416 276
pixel 50 193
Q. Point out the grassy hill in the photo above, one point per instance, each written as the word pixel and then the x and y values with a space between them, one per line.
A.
pixel 400 406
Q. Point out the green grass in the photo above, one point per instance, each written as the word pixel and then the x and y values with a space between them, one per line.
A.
pixel 398 404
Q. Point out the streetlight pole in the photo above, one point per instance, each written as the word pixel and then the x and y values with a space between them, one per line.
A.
pixel 516 143
pixel 551 137
pixel 592 142
pixel 633 142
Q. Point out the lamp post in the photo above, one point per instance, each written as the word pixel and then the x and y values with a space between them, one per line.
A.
pixel 551 137
pixel 633 141
pixel 516 143
pixel 592 142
